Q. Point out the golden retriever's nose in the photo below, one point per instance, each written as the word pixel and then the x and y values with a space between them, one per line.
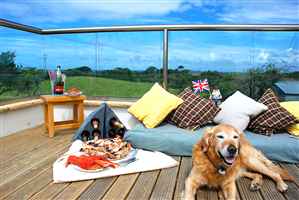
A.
pixel 232 150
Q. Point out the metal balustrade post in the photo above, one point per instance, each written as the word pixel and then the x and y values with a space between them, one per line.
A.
pixel 165 58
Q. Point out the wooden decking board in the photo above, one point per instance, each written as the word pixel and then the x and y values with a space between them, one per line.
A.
pixel 34 186
pixel 293 190
pixel 27 163
pixel 97 189
pixel 243 186
pixel 121 187
pixel 26 155
pixel 166 182
pixel 30 176
pixel 184 170
pixel 144 185
pixel 11 186
pixel 73 190
pixel 50 191
pixel 36 142
pixel 269 190
pixel 293 170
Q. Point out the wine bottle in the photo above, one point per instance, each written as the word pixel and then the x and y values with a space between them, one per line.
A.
pixel 96 134
pixel 114 123
pixel 85 135
pixel 59 84
pixel 95 123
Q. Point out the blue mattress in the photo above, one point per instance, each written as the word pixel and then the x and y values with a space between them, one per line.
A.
pixel 176 141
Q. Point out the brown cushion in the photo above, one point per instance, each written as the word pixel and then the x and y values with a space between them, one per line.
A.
pixel 194 112
pixel 275 119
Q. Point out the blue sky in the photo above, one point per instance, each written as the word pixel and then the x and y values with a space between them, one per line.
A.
pixel 222 51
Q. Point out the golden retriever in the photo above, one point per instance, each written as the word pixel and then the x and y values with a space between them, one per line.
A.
pixel 222 155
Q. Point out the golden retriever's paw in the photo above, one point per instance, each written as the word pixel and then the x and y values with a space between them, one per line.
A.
pixel 282 186
pixel 254 186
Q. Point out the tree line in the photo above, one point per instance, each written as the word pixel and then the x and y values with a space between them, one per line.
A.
pixel 253 82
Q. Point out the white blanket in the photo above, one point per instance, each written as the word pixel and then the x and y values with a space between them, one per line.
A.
pixel 145 161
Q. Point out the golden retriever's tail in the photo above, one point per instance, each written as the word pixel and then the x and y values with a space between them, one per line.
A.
pixel 282 172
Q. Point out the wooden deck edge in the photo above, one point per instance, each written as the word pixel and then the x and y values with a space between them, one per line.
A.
pixel 35 102
pixel 20 105
pixel 113 104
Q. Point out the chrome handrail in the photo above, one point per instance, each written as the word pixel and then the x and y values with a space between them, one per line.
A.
pixel 164 28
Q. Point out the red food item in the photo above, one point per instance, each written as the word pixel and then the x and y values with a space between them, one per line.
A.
pixel 90 162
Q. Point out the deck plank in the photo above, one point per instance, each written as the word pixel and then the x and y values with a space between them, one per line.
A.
pixel 34 186
pixel 26 163
pixel 184 170
pixel 165 186
pixel 121 187
pixel 50 191
pixel 293 170
pixel 27 174
pixel 31 155
pixel 23 178
pixel 144 185
pixel 293 190
pixel 243 185
pixel 269 190
pixel 97 189
pixel 73 190
pixel 33 144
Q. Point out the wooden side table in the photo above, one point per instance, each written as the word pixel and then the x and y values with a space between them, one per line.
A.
pixel 78 111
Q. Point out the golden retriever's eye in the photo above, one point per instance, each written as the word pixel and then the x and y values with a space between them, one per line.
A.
pixel 236 137
pixel 220 136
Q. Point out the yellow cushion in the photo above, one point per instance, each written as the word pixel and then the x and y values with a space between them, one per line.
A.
pixel 154 106
pixel 293 108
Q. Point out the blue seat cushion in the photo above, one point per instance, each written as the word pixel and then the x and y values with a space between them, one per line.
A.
pixel 169 139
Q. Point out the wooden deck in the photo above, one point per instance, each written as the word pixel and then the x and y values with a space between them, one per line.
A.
pixel 26 173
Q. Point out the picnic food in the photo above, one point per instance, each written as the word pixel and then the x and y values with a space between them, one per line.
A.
pixel 73 91
pixel 113 149
pixel 89 162
pixel 117 129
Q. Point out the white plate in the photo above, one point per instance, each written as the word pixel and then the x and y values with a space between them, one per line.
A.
pixel 85 170
pixel 131 157
pixel 72 95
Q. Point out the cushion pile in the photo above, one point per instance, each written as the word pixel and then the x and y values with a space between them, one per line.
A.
pixel 275 119
pixel 237 110
pixel 194 112
pixel 154 106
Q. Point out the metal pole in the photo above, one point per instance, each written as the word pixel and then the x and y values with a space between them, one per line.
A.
pixel 165 58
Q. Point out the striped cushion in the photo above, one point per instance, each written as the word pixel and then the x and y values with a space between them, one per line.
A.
pixel 194 112
pixel 275 119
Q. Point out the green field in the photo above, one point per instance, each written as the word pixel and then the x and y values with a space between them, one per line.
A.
pixel 96 86
pixel 92 86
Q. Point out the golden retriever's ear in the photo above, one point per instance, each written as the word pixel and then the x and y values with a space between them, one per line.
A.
pixel 205 139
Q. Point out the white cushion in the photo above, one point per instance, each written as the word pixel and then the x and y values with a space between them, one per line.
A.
pixel 237 110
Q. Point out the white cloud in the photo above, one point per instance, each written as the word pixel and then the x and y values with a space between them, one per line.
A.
pixel 256 11
pixel 73 10
pixel 263 56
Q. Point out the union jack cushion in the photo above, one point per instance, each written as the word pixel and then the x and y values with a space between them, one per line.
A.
pixel 276 119
pixel 194 112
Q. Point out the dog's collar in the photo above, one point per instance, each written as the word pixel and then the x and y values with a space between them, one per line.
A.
pixel 221 168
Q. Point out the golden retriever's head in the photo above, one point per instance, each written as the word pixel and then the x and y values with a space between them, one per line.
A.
pixel 222 142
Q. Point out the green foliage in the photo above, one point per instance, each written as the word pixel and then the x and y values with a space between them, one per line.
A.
pixel 8 71
pixel 123 82
pixel 17 79
pixel 29 81
pixel 258 79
